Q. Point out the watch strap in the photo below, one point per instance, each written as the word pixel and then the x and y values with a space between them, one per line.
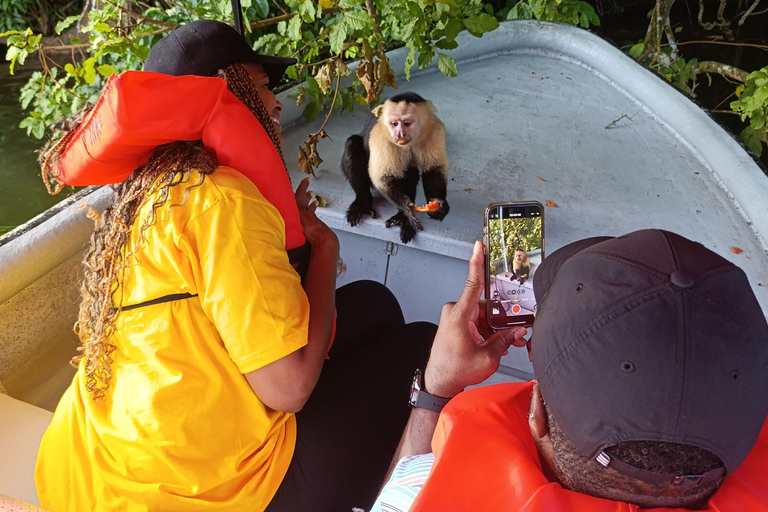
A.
pixel 423 400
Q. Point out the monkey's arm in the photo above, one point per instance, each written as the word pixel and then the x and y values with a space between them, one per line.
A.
pixel 434 165
pixel 354 163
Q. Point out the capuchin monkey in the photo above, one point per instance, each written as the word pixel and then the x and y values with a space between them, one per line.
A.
pixel 406 137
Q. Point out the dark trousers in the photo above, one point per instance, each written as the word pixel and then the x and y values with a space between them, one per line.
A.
pixel 350 427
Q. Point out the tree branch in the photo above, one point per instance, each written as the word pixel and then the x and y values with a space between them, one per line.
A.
pixel 726 70
pixel 659 16
pixel 748 12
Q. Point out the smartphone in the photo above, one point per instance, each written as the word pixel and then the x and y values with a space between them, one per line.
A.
pixel 514 247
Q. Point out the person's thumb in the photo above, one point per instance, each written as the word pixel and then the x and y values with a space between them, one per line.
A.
pixel 473 288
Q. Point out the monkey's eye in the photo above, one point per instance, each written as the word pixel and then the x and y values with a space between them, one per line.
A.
pixel 407 124
pixel 394 124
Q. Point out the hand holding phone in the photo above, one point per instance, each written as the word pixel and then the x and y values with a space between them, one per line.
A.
pixel 514 248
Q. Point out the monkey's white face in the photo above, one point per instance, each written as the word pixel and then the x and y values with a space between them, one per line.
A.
pixel 403 123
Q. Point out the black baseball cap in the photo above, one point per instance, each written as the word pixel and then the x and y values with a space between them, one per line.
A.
pixel 651 337
pixel 203 47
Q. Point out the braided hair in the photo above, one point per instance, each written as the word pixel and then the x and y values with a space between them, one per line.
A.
pixel 240 83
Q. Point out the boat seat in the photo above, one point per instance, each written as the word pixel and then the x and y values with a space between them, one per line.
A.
pixel 21 428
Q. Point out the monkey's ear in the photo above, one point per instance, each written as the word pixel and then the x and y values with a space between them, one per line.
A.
pixel 377 111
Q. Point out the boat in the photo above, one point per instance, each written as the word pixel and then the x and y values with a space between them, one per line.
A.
pixel 539 111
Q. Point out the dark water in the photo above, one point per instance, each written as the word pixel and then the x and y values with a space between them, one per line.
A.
pixel 22 193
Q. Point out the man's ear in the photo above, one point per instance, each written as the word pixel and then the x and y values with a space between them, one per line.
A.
pixel 537 417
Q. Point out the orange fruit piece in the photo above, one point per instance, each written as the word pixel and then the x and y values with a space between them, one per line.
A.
pixel 429 207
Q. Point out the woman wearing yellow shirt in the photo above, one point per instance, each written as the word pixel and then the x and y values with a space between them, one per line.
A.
pixel 205 321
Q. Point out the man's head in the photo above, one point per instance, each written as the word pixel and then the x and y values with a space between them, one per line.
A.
pixel 651 354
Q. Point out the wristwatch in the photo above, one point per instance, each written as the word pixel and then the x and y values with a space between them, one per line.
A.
pixel 422 399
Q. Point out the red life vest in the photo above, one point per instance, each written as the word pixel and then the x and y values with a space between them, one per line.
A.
pixel 485 459
pixel 139 111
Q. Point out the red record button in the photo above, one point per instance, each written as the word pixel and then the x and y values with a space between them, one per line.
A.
pixel 516 309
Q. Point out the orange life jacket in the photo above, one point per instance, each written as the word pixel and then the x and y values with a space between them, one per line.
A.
pixel 139 111
pixel 485 459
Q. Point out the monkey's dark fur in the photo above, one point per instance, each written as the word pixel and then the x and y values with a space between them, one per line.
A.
pixel 388 154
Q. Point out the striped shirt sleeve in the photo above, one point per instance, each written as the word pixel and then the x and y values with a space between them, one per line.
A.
pixel 406 482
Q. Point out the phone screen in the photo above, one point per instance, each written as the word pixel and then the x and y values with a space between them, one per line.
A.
pixel 514 249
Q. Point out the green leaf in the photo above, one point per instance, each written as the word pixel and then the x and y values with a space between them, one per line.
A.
pixel 294 28
pixel 307 11
pixel 337 36
pixel 410 61
pixel 106 70
pixel 445 44
pixel 348 4
pixel 102 27
pixel 481 23
pixel 358 20
pixel 415 10
pixel 313 86
pixel 753 140
pixel 452 28
pixel 637 50
pixel 12 53
pixel 66 23
pixel 313 110
pixel 426 55
pixel 262 8
pixel 446 65
pixel 38 130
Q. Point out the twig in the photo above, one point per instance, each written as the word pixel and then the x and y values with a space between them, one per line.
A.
pixel 278 6
pixel 727 43
pixel 333 103
pixel 285 17
pixel 725 112
pixel 623 116
pixel 748 12
pixel 723 101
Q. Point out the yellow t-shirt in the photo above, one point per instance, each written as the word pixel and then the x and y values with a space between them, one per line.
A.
pixel 180 428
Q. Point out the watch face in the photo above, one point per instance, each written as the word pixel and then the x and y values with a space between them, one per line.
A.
pixel 415 388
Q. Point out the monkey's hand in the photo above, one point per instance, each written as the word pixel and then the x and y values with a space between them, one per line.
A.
pixel 442 209
pixel 409 225
pixel 357 209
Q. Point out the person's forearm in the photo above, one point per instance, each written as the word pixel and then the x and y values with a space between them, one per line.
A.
pixel 417 437
pixel 320 287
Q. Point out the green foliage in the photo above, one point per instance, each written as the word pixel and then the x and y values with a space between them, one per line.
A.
pixel 324 35
pixel 681 73
pixel 12 15
pixel 40 15
pixel 753 105
pixel 20 44
pixel 522 234
pixel 573 12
